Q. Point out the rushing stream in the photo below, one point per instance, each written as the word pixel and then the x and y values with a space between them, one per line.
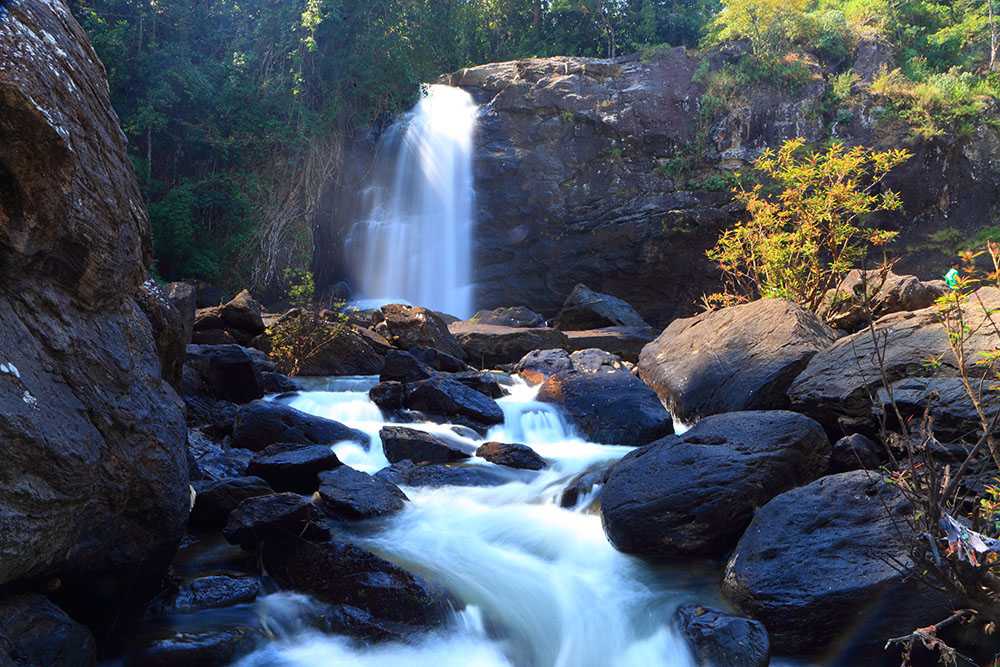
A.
pixel 542 585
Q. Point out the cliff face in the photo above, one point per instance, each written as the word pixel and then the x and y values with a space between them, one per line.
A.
pixel 94 482
pixel 613 173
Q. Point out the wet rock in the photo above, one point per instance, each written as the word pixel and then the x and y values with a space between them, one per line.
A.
pixel 836 386
pixel 583 485
pixel 400 443
pixel 511 455
pixel 277 383
pixel 489 346
pixel 717 638
pixel 215 500
pixel 407 473
pixel 94 481
pixel 263 423
pixel 844 307
pixel 536 366
pixel 401 366
pixel 346 493
pixel 586 309
pixel 485 382
pixel 693 494
pixel 211 592
pixel 411 326
pixel 293 467
pixel 830 555
pixel 243 313
pixel 738 358
pixel 38 632
pixel 223 372
pixel 268 517
pixel 443 396
pixel 513 316
pixel 387 395
pixel 855 452
pixel 210 648
pixel 606 402
pixel 347 352
pixel 343 574
pixel 625 342
pixel 214 417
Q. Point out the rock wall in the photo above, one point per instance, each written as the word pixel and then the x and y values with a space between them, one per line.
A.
pixel 576 177
pixel 94 485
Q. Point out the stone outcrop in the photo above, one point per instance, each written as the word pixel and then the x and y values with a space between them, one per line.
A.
pixel 718 638
pixel 738 358
pixel 491 345
pixel 94 481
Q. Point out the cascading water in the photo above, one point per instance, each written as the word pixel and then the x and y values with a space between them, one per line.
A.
pixel 542 587
pixel 414 243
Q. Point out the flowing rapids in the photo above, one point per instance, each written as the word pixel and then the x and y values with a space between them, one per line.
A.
pixel 414 242
pixel 541 584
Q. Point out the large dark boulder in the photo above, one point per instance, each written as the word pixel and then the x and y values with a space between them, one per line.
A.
pixel 837 386
pixel 738 358
pixel 94 481
pixel 625 342
pixel 717 638
pixel 511 316
pixel 441 395
pixel 539 365
pixel 263 423
pixel 346 352
pixel 209 592
pixel 171 325
pixel 855 452
pixel 292 466
pixel 829 559
pixel 407 473
pixel 262 518
pixel 511 455
pixel 401 366
pixel 490 345
pixel 204 648
pixel 215 500
pixel 38 632
pixel 606 402
pixel 223 372
pixel 586 309
pixel 400 443
pixel 945 400
pixel 243 313
pixel 343 574
pixel 407 327
pixel 346 493
pixel 846 306
pixel 693 494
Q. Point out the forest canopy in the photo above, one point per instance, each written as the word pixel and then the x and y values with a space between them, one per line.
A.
pixel 221 100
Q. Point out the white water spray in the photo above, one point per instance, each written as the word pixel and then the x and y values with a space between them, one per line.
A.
pixel 415 242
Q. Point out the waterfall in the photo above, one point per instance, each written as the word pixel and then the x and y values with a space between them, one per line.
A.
pixel 414 241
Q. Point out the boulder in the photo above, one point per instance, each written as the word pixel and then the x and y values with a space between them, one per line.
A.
pixel 209 318
pixel 263 423
pixel 343 574
pixel 38 632
pixel 512 316
pixel 401 366
pixel 210 415
pixel 585 487
pixel 346 493
pixel 171 329
pixel 439 360
pixel 625 342
pixel 210 592
pixel 268 517
pixel 837 386
pixel 844 306
pixel 347 352
pixel 606 402
pixel 488 383
pixel 407 473
pixel 717 638
pixel 293 467
pixel 855 452
pixel 277 383
pixel 224 372
pixel 444 396
pixel 94 481
pixel 536 366
pixel 243 313
pixel 182 296
pixel 511 455
pixel 586 309
pixel 947 403
pixel 388 395
pixel 400 443
pixel 489 345
pixel 407 327
pixel 828 556
pixel 738 358
pixel 694 494
pixel 211 460
pixel 215 500
pixel 206 648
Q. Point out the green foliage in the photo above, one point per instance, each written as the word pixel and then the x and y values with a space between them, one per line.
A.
pixel 806 229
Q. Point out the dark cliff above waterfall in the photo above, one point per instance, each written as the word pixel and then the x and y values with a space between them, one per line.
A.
pixel 617 173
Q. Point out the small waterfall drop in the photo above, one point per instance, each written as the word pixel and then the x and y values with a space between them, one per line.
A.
pixel 414 241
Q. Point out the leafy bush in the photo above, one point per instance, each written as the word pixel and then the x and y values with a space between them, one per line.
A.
pixel 806 228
